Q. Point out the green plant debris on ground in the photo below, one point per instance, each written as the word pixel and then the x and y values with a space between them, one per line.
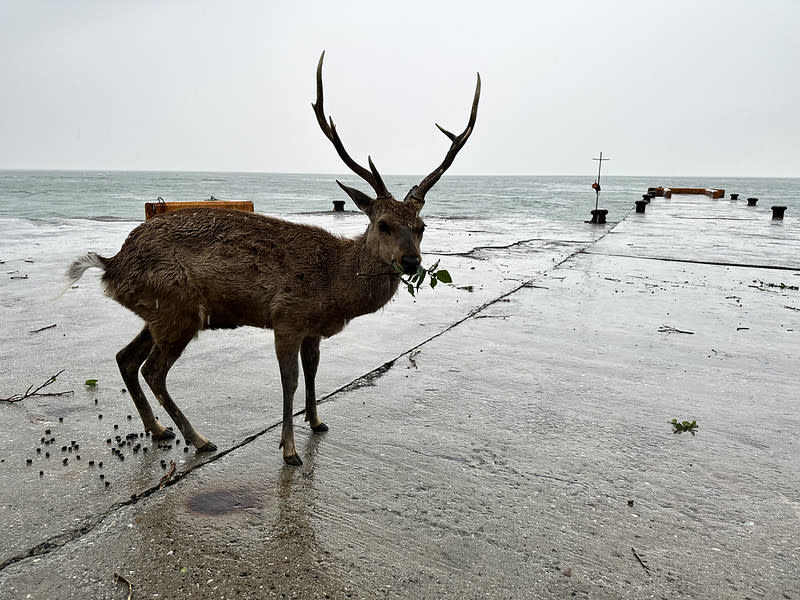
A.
pixel 90 383
pixel 416 281
pixel 681 426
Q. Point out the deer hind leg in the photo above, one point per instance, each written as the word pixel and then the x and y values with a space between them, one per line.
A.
pixel 287 348
pixel 130 359
pixel 309 355
pixel 162 357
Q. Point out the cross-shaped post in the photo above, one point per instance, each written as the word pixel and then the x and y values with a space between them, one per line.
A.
pixel 597 183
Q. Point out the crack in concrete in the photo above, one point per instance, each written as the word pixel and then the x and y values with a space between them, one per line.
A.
pixel 476 249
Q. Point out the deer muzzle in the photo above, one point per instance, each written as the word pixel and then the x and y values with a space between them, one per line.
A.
pixel 410 263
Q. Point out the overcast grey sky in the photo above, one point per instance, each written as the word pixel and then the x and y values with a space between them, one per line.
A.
pixel 663 88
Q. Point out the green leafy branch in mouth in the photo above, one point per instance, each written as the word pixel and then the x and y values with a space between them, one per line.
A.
pixel 415 281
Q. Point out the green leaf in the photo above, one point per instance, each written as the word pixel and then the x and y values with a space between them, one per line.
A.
pixel 444 276
pixel 410 289
pixel 434 281
pixel 90 383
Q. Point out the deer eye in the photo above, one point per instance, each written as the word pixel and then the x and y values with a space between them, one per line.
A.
pixel 383 227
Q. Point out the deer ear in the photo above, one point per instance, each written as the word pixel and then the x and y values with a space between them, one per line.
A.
pixel 363 202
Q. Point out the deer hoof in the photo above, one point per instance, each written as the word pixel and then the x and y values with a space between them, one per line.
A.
pixel 207 447
pixel 321 428
pixel 163 435
pixel 293 460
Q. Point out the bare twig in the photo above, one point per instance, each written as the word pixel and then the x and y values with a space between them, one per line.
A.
pixel 30 392
pixel 42 329
pixel 168 475
pixel 641 562
pixel 118 578
pixel 671 329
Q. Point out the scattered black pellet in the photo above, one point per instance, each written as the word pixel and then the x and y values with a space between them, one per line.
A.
pixel 129 417
pixel 100 464
pixel 121 456
pixel 52 439
pixel 91 463
pixel 38 451
pixel 41 473
pixel 108 483
pixel 69 449
pixel 177 442
pixel 186 448
pixel 100 416
pixel 60 419
pixel 47 455
pixel 144 449
pixel 28 461
pixel 77 457
pixel 47 432
pixel 77 446
pixel 95 400
pixel 72 442
pixel 108 441
pixel 102 476
pixel 65 461
pixel 116 426
pixel 63 448
pixel 42 440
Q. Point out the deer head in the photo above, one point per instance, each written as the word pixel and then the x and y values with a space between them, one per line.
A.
pixel 395 228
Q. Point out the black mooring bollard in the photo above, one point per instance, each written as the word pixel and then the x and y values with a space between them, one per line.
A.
pixel 338 206
pixel 777 212
pixel 752 201
pixel 641 205
pixel 734 196
pixel 599 216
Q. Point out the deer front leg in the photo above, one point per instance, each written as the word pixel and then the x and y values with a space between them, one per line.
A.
pixel 287 348
pixel 309 354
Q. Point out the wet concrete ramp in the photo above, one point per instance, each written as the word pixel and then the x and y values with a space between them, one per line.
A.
pixel 511 442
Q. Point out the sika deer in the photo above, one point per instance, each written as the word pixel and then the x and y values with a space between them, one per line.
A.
pixel 190 270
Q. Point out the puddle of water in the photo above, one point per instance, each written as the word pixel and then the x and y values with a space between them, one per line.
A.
pixel 221 502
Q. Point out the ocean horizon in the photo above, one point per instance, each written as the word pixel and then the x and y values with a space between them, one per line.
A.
pixel 88 194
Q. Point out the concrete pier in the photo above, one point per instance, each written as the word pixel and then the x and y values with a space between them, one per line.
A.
pixel 506 437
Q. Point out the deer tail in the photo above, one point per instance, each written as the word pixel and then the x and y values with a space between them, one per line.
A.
pixel 77 269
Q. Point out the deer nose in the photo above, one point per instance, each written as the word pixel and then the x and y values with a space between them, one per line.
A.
pixel 410 264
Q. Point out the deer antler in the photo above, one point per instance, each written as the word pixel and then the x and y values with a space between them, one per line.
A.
pixel 417 193
pixel 371 175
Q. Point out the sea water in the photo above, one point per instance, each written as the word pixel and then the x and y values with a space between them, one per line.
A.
pixel 121 195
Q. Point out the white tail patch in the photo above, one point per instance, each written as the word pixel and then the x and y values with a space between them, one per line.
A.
pixel 78 268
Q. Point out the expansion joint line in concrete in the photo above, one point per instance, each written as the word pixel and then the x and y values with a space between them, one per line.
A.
pixel 712 263
pixel 56 542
